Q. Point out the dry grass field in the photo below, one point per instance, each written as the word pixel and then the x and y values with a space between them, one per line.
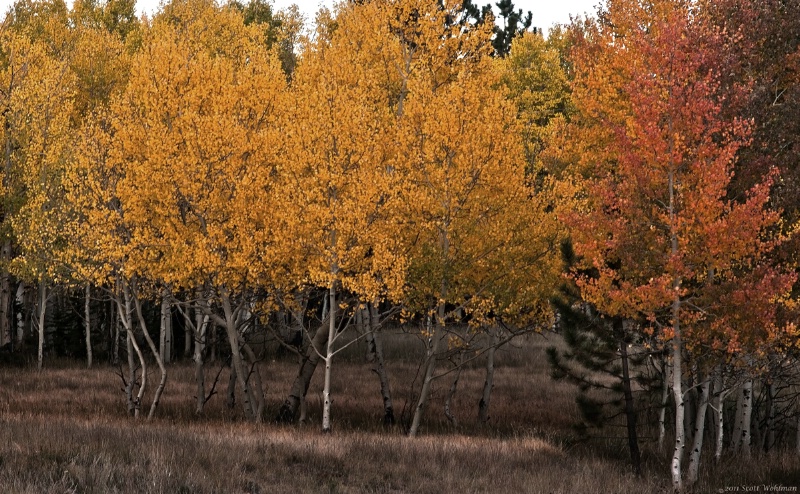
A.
pixel 65 429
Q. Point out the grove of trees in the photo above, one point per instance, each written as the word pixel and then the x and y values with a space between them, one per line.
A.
pixel 220 176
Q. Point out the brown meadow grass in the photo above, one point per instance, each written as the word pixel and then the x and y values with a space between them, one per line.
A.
pixel 65 429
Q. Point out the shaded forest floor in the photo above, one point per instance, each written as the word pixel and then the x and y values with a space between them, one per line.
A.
pixel 65 429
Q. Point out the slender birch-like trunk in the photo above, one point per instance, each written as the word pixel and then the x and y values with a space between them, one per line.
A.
pixel 717 404
pixel 630 411
pixel 361 321
pixel 88 317
pixel 162 333
pixel 163 381
pixel 677 391
pixel 699 432
pixel 5 254
pixel 212 342
pixel 434 343
pixel 20 299
pixel 662 412
pixel 5 292
pixel 488 384
pixel 451 393
pixel 677 351
pixel 232 331
pixel 430 365
pixel 736 435
pixel 132 402
pixel 165 336
pixel 42 311
pixel 201 324
pixel 188 333
pixel 308 365
pixel 230 400
pixel 744 418
pixel 257 387
pixel 326 390
pixel 116 324
pixel 125 313
pixel 298 316
pixel 378 363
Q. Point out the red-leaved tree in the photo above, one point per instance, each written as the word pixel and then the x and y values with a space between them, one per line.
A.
pixel 660 235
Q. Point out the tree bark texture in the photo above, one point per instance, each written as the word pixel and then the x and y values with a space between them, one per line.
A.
pixel 42 312
pixel 165 335
pixel 5 295
pixel 201 325
pixel 430 365
pixel 163 381
pixel 378 362
pixel 326 390
pixel 699 432
pixel 20 300
pixel 488 384
pixel 630 409
pixel 744 415
pixel 299 388
pixel 88 322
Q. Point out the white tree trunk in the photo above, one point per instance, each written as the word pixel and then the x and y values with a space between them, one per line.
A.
pixel 188 332
pixel 231 325
pixel 88 315
pixel 239 376
pixel 361 320
pixel 5 284
pixel 677 350
pixel 163 381
pixel 378 363
pixel 662 412
pixel 699 431
pixel 451 393
pixel 257 387
pixel 42 311
pixel 131 384
pixel 115 344
pixel 744 417
pixel 717 404
pixel 434 341
pixel 20 298
pixel 326 391
pixel 430 365
pixel 308 365
pixel 201 325
pixel 736 434
pixel 125 317
pixel 680 432
pixel 488 384
pixel 165 339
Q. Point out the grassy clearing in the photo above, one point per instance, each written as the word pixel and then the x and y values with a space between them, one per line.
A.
pixel 65 430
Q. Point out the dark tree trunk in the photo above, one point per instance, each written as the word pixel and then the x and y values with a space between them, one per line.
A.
pixel 288 410
pixel 630 409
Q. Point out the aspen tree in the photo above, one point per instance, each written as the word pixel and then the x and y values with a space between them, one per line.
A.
pixel 339 170
pixel 176 177
pixel 658 155
pixel 38 98
pixel 474 228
